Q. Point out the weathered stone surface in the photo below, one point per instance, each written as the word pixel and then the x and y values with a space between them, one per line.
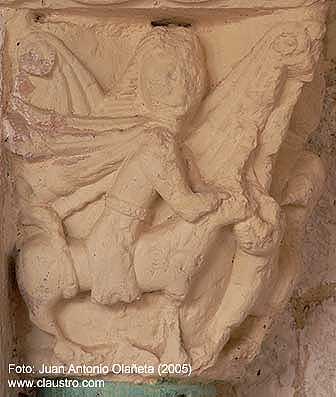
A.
pixel 160 4
pixel 302 347
pixel 163 181
pixel 7 241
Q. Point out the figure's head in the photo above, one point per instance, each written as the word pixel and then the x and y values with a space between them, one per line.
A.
pixel 299 48
pixel 172 75
pixel 36 57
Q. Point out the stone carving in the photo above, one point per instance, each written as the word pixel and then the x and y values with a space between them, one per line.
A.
pixel 221 4
pixel 158 217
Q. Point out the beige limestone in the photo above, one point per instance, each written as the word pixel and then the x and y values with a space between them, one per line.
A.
pixel 298 357
pixel 7 271
pixel 157 5
pixel 161 179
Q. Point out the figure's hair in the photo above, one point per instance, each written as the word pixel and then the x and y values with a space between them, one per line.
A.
pixel 180 43
pixel 184 46
pixel 36 57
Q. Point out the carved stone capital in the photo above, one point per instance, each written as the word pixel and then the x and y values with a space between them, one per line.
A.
pixel 161 179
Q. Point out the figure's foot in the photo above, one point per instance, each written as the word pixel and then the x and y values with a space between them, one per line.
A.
pixel 115 286
pixel 174 353
pixel 69 352
pixel 205 353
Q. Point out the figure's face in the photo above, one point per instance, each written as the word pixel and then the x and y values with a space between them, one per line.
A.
pixel 163 84
pixel 36 59
pixel 300 51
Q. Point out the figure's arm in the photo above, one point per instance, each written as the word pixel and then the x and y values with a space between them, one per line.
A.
pixel 48 119
pixel 163 165
pixel 38 117
pixel 196 181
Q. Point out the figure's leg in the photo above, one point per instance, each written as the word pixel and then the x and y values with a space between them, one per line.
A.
pixel 41 281
pixel 46 274
pixel 110 250
pixel 258 245
pixel 174 351
pixel 43 228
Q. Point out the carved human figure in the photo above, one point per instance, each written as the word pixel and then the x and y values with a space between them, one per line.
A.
pixel 111 259
pixel 155 165
pixel 141 133
pixel 171 84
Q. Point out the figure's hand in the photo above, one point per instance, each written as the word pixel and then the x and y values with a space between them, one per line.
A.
pixel 236 209
pixel 199 205
pixel 38 117
pixel 298 191
pixel 257 237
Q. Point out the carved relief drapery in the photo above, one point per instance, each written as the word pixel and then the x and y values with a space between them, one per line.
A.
pixel 159 214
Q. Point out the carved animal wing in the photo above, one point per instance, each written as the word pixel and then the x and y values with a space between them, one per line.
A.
pixel 233 117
